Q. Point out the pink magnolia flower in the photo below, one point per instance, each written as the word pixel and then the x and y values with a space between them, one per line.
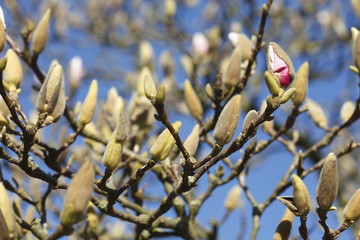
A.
pixel 280 64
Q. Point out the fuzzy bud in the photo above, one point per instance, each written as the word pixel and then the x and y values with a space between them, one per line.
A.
pixel 89 105
pixel 3 227
pixel 160 94
pixel 301 196
pixel 78 195
pixel 192 101
pixel 233 198
pixel 41 34
pixel 301 84
pixel 145 71
pixel 317 114
pixel 149 87
pixel 283 230
pixel 13 73
pixel 352 208
pixel 347 111
pixel 192 141
pixel 327 188
pixel 7 211
pixel 240 39
pixel 228 120
pixel 50 90
pixel 279 63
pixel 250 119
pixel 232 74
pixel 164 143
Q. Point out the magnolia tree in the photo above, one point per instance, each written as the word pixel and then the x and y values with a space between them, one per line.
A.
pixel 142 160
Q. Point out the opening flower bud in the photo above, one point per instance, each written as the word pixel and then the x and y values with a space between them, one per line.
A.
pixel 280 64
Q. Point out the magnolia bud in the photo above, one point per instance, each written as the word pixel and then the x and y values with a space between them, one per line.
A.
pixel 232 74
pixel 192 141
pixel 170 7
pixel 228 120
pixel 141 81
pixel 317 114
pixel 88 107
pixel 283 230
pixel 13 73
pixel 301 196
pixel 78 195
pixel 59 107
pixel 41 34
pixel 301 84
pixel 164 143
pixel 347 111
pixel 279 63
pixel 50 90
pixel 7 211
pixel 233 198
pixel 149 87
pixel 146 53
pixel 287 95
pixel 352 208
pixel 2 36
pixel 327 188
pixel 240 39
pixel 192 101
pixel 188 65
pixel 114 148
pixel 272 83
pixel 160 94
pixel 200 44
pixel 250 119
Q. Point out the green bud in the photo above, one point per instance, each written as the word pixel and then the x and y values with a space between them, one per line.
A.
pixel 301 84
pixel 232 74
pixel 50 90
pixel 7 211
pixel 149 87
pixel 352 208
pixel 228 120
pixel 160 95
pixel 192 101
pixel 41 34
pixel 164 143
pixel 301 196
pixel 327 188
pixel 78 195
pixel 89 105
pixel 13 73
pixel 283 230
pixel 272 83
pixel 287 95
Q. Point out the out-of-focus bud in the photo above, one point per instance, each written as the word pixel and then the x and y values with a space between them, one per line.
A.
pixel 92 219
pixel 228 120
pixel 160 94
pixel 200 44
pixel 272 83
pixel 76 72
pixel 233 198
pixel 89 105
pixel 3 227
pixel 114 148
pixel 287 95
pixel 356 6
pixel 317 114
pixel 78 195
pixel 192 141
pixel 192 101
pixel 279 63
pixel 164 143
pixel 327 188
pixel 141 81
pixel 167 63
pixel 149 87
pixel 188 65
pixel 50 90
pixel 356 51
pixel 347 111
pixel 41 34
pixel 232 74
pixel 283 230
pixel 7 211
pixel 146 53
pixel 170 8
pixel 240 39
pixel 2 18
pixel 13 73
pixel 301 196
pixel 352 208
pixel 301 84
pixel 209 91
pixel 250 119
pixel 2 35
